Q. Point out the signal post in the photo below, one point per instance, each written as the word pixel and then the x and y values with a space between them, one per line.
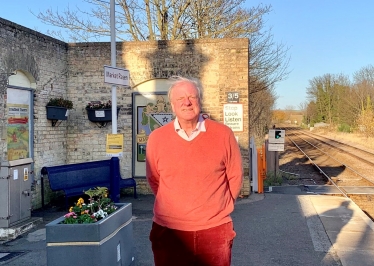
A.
pixel 274 143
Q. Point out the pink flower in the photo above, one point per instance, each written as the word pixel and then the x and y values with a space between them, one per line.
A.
pixel 70 214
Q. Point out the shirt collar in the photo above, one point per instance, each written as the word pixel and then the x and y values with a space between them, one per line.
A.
pixel 200 126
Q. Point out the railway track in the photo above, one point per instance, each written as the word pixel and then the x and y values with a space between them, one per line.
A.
pixel 345 167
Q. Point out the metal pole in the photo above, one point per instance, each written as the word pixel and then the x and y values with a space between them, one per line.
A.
pixel 114 181
pixel 113 52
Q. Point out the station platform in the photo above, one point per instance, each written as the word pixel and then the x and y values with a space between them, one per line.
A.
pixel 287 226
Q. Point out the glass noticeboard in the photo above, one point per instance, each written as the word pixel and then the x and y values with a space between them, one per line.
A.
pixel 18 124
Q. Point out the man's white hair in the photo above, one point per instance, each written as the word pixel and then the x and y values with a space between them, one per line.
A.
pixel 175 80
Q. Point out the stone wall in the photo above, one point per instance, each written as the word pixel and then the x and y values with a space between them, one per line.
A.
pixel 45 60
pixel 220 64
pixel 76 71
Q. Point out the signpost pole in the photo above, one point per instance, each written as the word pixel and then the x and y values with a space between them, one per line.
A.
pixel 114 182
pixel 113 63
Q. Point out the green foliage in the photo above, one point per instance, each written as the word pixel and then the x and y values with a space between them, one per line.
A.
pixel 273 179
pixel 99 105
pixel 99 207
pixel 344 128
pixel 60 102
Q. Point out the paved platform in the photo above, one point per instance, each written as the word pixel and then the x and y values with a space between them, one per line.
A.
pixel 288 226
pixel 330 189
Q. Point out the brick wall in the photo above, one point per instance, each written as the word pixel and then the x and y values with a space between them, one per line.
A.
pixel 221 65
pixel 45 59
pixel 75 71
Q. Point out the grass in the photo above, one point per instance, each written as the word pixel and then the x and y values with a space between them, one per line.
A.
pixel 273 179
pixel 349 138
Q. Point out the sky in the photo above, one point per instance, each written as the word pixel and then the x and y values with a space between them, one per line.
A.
pixel 322 36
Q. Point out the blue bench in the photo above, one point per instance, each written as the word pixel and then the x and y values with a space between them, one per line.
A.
pixel 76 178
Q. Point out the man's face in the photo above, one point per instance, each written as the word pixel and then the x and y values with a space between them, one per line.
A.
pixel 185 101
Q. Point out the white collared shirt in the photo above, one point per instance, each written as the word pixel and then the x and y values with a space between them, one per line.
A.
pixel 200 127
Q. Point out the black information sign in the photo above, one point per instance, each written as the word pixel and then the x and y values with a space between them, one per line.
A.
pixel 233 97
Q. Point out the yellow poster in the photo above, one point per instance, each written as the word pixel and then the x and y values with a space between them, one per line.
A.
pixel 114 145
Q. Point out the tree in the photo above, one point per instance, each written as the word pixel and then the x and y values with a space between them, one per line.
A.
pixel 363 88
pixel 142 20
pixel 261 105
pixel 365 119
pixel 278 116
pixel 328 92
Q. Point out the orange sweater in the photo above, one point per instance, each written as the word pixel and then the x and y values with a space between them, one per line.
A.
pixel 195 182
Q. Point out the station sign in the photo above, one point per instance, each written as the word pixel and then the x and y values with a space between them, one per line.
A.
pixel 277 136
pixel 275 147
pixel 233 116
pixel 116 76
pixel 233 97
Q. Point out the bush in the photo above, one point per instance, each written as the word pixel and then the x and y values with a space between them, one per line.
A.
pixel 273 179
pixel 344 128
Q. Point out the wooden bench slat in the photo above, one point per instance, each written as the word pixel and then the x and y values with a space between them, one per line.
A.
pixel 73 179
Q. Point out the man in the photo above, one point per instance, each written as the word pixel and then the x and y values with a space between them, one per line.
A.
pixel 194 168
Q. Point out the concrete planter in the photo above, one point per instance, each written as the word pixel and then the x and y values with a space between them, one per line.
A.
pixel 106 242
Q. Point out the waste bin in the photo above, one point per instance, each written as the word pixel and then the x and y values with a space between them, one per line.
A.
pixel 15 192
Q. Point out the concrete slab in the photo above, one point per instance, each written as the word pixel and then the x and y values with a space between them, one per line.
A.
pixel 350 231
pixel 36 236
pixel 354 257
pixel 359 190
pixel 349 224
pixel 347 241
pixel 322 189
pixel 13 232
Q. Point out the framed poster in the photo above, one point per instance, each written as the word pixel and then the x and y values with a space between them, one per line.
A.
pixel 151 110
pixel 18 124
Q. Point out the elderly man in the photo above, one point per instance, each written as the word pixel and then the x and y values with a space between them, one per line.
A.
pixel 194 168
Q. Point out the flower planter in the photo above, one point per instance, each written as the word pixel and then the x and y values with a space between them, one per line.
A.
pixel 106 242
pixel 57 113
pixel 100 115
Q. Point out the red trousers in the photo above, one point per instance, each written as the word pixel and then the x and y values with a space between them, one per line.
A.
pixel 210 247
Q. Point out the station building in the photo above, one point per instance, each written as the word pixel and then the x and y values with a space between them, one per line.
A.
pixel 35 68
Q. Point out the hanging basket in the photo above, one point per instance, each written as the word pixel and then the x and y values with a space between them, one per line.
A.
pixel 100 115
pixel 57 113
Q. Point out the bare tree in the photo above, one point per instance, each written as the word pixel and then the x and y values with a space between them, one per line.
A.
pixel 141 20
pixel 261 105
pixel 363 87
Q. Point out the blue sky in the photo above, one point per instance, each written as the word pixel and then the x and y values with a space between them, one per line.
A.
pixel 323 36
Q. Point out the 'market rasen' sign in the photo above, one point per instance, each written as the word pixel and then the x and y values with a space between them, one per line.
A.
pixel 117 76
pixel 233 116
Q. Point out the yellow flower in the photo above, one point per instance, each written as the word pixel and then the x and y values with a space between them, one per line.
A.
pixel 80 202
pixel 71 209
